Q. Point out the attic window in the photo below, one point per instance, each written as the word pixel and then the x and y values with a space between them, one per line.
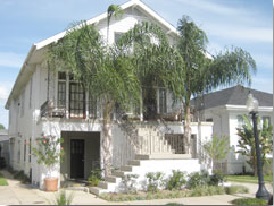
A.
pixel 209 120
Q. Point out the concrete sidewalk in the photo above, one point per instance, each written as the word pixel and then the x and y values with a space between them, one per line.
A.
pixel 23 194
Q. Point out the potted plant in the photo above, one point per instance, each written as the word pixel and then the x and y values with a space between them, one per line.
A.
pixel 49 153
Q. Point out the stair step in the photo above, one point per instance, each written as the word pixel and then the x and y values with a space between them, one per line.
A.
pixel 119 173
pixel 162 156
pixel 134 162
pixel 97 191
pixel 75 184
pixel 111 178
pixel 127 168
pixel 85 189
pixel 142 157
pixel 103 184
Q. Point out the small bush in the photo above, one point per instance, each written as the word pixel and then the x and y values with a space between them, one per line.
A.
pixel 176 181
pixel 155 180
pixel 249 201
pixel 3 181
pixel 63 199
pixel 236 190
pixel 198 179
pixel 95 177
pixel 21 176
pixel 216 178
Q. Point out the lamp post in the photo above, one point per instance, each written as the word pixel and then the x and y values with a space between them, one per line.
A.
pixel 252 106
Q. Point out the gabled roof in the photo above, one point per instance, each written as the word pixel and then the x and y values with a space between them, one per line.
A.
pixel 128 4
pixel 35 54
pixel 236 95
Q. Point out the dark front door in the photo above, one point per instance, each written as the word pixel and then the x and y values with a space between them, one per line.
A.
pixel 77 151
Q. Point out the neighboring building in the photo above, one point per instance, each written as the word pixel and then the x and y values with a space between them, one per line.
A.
pixel 4 148
pixel 225 109
pixel 41 104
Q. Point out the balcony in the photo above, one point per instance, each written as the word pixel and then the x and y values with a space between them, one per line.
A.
pixel 48 109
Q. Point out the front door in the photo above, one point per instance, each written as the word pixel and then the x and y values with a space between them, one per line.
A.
pixel 77 151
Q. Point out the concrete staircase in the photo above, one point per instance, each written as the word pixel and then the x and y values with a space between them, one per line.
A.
pixel 115 181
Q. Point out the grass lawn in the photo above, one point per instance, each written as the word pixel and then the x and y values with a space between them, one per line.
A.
pixel 3 181
pixel 247 178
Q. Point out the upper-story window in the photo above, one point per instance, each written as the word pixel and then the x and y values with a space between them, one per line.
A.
pixel 61 89
pixel 162 101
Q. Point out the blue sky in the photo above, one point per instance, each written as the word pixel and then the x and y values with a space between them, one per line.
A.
pixel 247 24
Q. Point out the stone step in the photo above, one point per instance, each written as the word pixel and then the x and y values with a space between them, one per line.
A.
pixel 119 173
pixel 162 156
pixel 75 184
pixel 134 162
pixel 111 178
pixel 85 189
pixel 103 184
pixel 97 191
pixel 127 168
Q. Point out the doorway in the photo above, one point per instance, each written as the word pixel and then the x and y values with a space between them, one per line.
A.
pixel 77 161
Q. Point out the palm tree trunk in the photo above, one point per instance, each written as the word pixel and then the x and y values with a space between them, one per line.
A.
pixel 187 129
pixel 107 136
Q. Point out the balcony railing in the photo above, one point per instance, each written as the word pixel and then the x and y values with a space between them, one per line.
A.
pixel 51 110
pixel 48 109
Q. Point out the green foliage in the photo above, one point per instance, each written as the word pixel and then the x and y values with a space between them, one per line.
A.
pixel 49 151
pixel 114 10
pixel 217 177
pixel 20 175
pixel 236 190
pixel 217 148
pixel 198 179
pixel 155 180
pixel 249 201
pixel 95 177
pixel 63 199
pixel 247 141
pixel 176 181
pixel 129 181
pixel 3 180
pixel 165 194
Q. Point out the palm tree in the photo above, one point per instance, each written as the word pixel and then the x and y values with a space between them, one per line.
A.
pixel 109 77
pixel 158 65
pixel 202 74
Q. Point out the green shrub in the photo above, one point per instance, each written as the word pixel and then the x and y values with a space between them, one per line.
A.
pixel 63 199
pixel 217 177
pixel 249 201
pixel 155 180
pixel 236 190
pixel 176 180
pixel 21 176
pixel 3 181
pixel 198 179
pixel 95 177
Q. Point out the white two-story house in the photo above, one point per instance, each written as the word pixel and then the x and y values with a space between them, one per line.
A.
pixel 50 103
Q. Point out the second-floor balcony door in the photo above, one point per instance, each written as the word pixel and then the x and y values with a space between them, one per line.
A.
pixel 76 100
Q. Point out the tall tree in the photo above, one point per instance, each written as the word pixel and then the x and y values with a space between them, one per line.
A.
pixel 107 75
pixel 158 65
pixel 204 73
pixel 247 145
